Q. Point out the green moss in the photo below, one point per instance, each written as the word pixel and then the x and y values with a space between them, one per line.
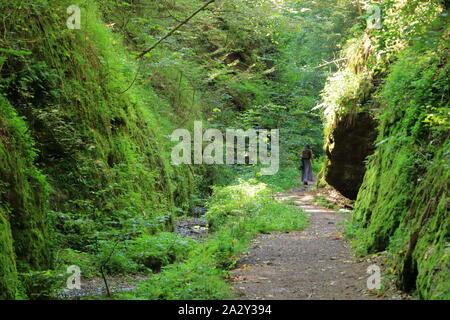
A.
pixel 104 150
pixel 8 273
pixel 403 202
pixel 23 202
pixel 23 189
pixel 428 256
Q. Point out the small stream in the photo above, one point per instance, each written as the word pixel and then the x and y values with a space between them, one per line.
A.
pixel 195 228
pixel 96 287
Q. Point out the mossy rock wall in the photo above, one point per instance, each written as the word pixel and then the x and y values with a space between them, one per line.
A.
pixel 403 201
pixel 402 204
pixel 101 145
pixel 23 203
pixel 103 148
pixel 348 144
pixel 8 272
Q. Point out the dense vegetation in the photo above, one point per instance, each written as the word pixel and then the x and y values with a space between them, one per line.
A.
pixel 86 176
pixel 398 77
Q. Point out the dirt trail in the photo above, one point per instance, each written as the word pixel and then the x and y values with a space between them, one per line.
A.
pixel 316 263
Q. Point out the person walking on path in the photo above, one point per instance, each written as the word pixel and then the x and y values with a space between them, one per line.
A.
pixel 307 157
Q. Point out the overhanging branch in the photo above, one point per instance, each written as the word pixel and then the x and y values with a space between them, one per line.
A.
pixel 174 29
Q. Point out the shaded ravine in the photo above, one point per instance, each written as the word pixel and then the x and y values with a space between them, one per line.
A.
pixel 316 263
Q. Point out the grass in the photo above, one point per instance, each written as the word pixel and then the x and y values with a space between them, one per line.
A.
pixel 181 268
pixel 324 202
pixel 236 213
pixel 287 177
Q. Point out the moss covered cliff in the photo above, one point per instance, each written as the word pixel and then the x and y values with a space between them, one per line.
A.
pixel 398 74
pixel 72 141
pixel 23 203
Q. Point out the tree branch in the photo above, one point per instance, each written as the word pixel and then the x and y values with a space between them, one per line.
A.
pixel 331 62
pixel 174 29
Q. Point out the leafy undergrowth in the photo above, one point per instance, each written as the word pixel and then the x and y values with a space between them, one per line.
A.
pixel 286 177
pixel 236 213
pixel 142 255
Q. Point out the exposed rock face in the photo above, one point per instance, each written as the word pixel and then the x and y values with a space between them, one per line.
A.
pixel 348 144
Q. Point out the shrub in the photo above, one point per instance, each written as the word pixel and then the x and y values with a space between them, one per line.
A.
pixel 238 213
pixel 39 285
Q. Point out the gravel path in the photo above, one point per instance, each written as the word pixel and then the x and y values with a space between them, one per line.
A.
pixel 312 264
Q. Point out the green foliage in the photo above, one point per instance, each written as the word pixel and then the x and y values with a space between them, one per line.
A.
pixel 105 156
pixel 8 272
pixel 249 209
pixel 85 261
pixel 23 190
pixel 76 105
pixel 143 254
pixel 100 148
pixel 157 251
pixel 195 279
pixel 400 74
pixel 239 200
pixel 40 285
